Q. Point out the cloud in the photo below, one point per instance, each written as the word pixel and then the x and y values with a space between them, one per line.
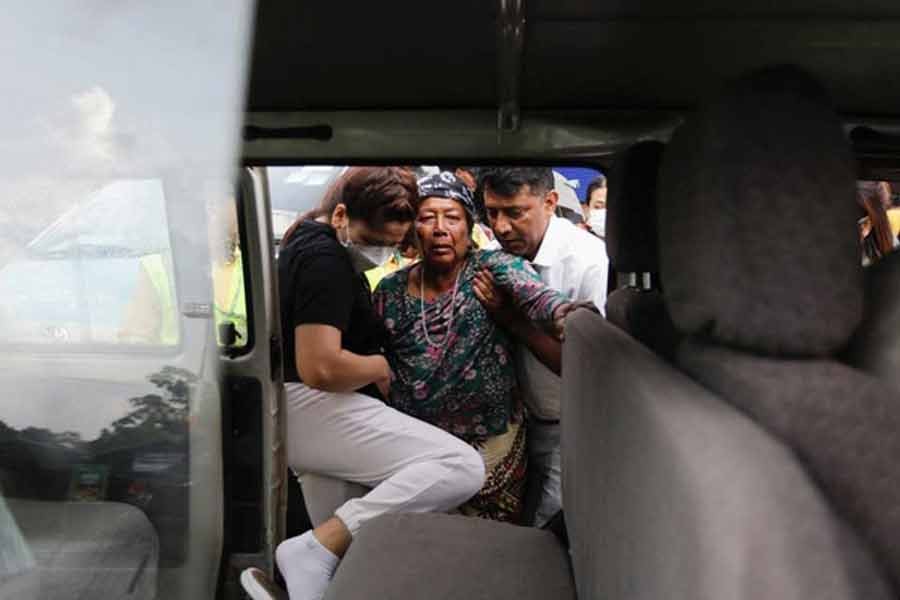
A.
pixel 91 135
pixel 82 137
pixel 95 109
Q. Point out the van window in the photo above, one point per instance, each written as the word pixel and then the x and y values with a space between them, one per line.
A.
pixel 100 274
pixel 110 410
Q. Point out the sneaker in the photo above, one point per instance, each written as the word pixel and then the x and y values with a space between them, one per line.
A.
pixel 259 587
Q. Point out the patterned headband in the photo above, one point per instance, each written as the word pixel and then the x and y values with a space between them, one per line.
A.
pixel 447 185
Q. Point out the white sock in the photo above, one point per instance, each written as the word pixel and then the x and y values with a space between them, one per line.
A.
pixel 306 565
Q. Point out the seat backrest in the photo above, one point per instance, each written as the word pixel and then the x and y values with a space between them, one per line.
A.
pixel 637 305
pixel 671 493
pixel 875 347
pixel 760 261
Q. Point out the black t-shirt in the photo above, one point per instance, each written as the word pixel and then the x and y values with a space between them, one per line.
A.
pixel 318 285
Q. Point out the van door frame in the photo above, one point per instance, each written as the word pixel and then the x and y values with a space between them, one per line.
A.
pixel 262 361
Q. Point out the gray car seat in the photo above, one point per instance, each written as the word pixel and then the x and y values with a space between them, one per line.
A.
pixel 761 266
pixel 671 493
pixel 79 550
pixel 875 347
pixel 631 243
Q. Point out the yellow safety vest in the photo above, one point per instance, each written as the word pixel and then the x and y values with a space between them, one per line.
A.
pixel 159 270
pixel 394 263
pixel 235 310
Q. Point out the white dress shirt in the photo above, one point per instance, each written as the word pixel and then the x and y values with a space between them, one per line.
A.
pixel 573 262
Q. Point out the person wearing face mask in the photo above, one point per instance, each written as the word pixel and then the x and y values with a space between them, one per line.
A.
pixel 595 206
pixel 336 379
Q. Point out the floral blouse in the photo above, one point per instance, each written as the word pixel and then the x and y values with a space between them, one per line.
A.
pixel 464 381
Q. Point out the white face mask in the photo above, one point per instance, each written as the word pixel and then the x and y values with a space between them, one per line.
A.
pixel 365 256
pixel 376 254
pixel 598 221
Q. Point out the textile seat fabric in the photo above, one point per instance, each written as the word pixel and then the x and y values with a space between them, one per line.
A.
pixel 761 266
pixel 86 550
pixel 842 423
pixel 643 314
pixel 444 557
pixel 684 497
pixel 875 347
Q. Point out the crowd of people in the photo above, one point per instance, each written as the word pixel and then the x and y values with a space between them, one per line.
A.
pixel 422 325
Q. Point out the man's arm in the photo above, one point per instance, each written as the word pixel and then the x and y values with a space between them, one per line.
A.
pixel 545 347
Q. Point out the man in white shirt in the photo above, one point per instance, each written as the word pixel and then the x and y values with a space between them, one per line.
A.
pixel 520 203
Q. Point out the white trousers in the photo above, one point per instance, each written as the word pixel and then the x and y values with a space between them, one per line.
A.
pixel 410 465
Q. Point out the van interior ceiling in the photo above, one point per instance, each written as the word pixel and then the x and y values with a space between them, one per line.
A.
pixel 568 68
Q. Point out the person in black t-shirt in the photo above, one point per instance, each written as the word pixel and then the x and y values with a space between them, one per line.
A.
pixel 336 377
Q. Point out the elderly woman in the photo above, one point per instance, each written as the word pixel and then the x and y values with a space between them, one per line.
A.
pixel 452 364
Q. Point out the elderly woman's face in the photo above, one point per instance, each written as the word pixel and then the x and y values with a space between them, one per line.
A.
pixel 443 232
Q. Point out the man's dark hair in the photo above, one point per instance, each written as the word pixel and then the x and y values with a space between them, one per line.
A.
pixel 597 183
pixel 508 181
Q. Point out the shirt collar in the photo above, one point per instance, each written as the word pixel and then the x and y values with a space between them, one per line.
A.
pixel 552 244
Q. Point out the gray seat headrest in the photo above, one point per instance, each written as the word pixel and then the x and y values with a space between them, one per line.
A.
pixel 631 238
pixel 757 218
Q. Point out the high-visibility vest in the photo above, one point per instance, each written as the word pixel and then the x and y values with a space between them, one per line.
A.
pixel 394 263
pixel 159 270
pixel 234 310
